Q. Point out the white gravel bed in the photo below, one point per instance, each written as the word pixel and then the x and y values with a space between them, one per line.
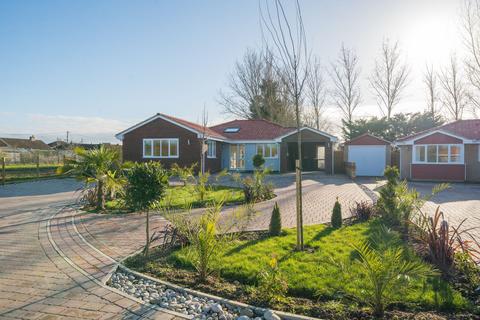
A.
pixel 198 307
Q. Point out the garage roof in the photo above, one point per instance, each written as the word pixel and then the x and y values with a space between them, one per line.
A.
pixel 367 139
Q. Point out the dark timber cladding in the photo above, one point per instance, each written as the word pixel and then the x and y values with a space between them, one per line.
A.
pixel 311 143
pixel 189 145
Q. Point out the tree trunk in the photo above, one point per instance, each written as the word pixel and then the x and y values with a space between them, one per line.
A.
pixel 147 232
pixel 100 195
pixel 299 180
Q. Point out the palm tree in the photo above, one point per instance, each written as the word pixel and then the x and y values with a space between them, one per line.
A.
pixel 99 168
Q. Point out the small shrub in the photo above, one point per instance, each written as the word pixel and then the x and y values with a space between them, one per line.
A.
pixel 258 161
pixel 272 285
pixel 337 215
pixel 184 174
pixel 388 275
pixel 467 273
pixel 254 188
pixel 363 211
pixel 439 241
pixel 202 185
pixel 275 227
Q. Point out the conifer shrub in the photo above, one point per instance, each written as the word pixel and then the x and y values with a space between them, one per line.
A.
pixel 337 215
pixel 275 227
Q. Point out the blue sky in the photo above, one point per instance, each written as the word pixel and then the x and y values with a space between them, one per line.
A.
pixel 95 67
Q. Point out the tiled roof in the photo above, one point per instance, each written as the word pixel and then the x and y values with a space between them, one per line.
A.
pixel 194 126
pixel 469 129
pixel 251 130
pixel 25 144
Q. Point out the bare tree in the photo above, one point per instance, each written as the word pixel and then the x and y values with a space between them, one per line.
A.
pixel 430 80
pixel 310 120
pixel 389 77
pixel 471 25
pixel 244 84
pixel 316 91
pixel 455 95
pixel 345 75
pixel 288 44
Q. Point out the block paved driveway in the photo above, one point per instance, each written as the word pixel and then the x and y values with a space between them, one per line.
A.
pixel 48 270
pixel 54 259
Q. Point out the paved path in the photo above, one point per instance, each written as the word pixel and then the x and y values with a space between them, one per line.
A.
pixel 48 270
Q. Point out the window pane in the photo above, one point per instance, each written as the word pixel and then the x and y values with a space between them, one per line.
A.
pixel 455 154
pixel 147 147
pixel 164 148
pixel 156 148
pixel 267 151
pixel 173 148
pixel 443 154
pixel 432 153
pixel 211 149
pixel 274 150
pixel 260 149
pixel 420 153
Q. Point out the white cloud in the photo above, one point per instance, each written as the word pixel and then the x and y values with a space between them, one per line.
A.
pixel 42 123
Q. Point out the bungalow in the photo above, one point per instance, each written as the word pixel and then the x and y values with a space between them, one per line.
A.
pixel 229 145
pixel 450 152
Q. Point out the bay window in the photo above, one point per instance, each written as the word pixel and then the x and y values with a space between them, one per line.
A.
pixel 160 148
pixel 268 150
pixel 438 153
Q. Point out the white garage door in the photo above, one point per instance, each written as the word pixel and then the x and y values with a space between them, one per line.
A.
pixel 369 160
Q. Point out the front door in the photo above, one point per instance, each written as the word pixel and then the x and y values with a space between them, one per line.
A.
pixel 237 156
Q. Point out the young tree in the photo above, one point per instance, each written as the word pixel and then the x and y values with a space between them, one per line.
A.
pixel 345 75
pixel 146 186
pixel 289 48
pixel 430 81
pixel 316 91
pixel 203 139
pixel 455 95
pixel 389 77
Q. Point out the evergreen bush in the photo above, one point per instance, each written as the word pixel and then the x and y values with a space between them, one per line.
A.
pixel 275 227
pixel 337 215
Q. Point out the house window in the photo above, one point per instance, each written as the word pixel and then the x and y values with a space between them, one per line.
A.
pixel 268 150
pixel 160 148
pixel 438 153
pixel 420 153
pixel 211 149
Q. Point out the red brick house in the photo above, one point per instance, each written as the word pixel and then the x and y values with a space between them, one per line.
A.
pixel 230 145
pixel 449 152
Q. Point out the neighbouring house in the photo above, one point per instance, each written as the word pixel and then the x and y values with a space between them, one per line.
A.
pixel 230 145
pixel 449 152
pixel 15 149
pixel 370 154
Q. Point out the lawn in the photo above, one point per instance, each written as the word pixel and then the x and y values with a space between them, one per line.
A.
pixel 185 197
pixel 310 274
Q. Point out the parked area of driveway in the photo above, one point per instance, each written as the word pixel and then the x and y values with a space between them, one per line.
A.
pixel 459 202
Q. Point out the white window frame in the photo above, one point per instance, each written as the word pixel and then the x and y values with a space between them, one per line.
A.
pixel 262 145
pixel 461 160
pixel 211 145
pixel 169 140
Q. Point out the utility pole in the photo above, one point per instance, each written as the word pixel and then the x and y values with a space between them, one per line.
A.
pixel 68 132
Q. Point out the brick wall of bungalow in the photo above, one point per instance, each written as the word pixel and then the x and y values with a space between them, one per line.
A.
pixel 189 145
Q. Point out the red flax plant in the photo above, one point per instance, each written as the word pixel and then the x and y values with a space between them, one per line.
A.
pixel 439 241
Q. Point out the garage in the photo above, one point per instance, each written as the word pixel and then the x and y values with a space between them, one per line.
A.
pixel 369 153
